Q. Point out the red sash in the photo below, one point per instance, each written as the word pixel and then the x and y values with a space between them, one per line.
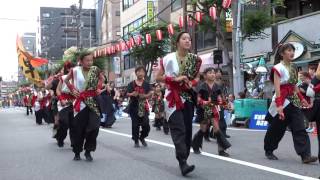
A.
pixel 173 97
pixel 83 95
pixel 66 96
pixel 33 101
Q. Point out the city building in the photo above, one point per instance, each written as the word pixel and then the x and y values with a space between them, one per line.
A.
pixel 7 87
pixel 110 32
pixel 133 14
pixel 299 27
pixel 58 30
pixel 205 43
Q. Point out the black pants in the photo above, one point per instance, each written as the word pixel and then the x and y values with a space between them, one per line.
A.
pixel 39 116
pixel 165 125
pixel 138 122
pixel 65 123
pixel 29 109
pixel 294 119
pixel 86 130
pixel 180 124
pixel 222 123
pixel 48 117
pixel 314 115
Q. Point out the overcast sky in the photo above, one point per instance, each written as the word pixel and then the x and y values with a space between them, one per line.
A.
pixel 17 17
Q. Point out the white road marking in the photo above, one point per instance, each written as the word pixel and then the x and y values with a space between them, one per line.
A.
pixel 235 161
pixel 236 129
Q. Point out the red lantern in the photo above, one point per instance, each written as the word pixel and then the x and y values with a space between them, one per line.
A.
pixel 170 29
pixel 123 46
pixel 95 54
pixel 159 34
pixel 148 38
pixel 198 17
pixel 190 22
pixel 118 47
pixel 113 49
pixel 139 40
pixel 226 4
pixel 108 50
pixel 181 22
pixel 105 51
pixel 131 42
pixel 128 44
pixel 213 13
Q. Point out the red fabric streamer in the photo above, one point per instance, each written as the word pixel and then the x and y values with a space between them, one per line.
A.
pixel 83 96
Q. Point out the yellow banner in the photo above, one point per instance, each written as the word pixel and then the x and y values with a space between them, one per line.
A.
pixel 24 60
pixel 150 12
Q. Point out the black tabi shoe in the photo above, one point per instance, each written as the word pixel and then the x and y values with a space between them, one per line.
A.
pixel 207 139
pixel 77 157
pixel 227 136
pixel 196 151
pixel 143 142
pixel 60 144
pixel 223 153
pixel 88 156
pixel 309 159
pixel 271 156
pixel 186 169
pixel 136 144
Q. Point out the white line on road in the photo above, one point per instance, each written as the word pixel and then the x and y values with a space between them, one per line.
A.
pixel 237 129
pixel 236 161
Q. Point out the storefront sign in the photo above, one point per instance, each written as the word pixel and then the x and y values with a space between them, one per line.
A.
pixel 229 20
pixel 257 120
pixel 116 65
pixel 150 12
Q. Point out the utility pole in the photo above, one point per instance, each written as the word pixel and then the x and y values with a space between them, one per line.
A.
pixel 194 33
pixel 237 47
pixel 76 12
pixel 78 17
pixel 185 8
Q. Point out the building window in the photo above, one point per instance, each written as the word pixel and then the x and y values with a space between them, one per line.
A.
pixel 206 40
pixel 176 5
pixel 294 8
pixel 133 27
pixel 117 13
pixel 126 4
pixel 46 15
pixel 129 62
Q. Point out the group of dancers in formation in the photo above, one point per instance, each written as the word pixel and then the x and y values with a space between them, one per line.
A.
pixel 73 104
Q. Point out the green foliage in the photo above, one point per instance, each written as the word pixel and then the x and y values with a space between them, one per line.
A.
pixel 147 54
pixel 255 22
pixel 100 62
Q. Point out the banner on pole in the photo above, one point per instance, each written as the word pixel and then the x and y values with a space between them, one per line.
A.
pixel 150 12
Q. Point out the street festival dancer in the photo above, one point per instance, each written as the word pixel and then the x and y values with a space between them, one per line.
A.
pixel 84 86
pixel 285 107
pixel 313 91
pixel 158 107
pixel 209 113
pixel 139 91
pixel 180 72
pixel 65 108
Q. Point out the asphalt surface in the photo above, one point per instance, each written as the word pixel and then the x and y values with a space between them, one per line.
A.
pixel 27 151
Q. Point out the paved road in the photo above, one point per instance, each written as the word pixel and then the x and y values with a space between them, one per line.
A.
pixel 27 151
